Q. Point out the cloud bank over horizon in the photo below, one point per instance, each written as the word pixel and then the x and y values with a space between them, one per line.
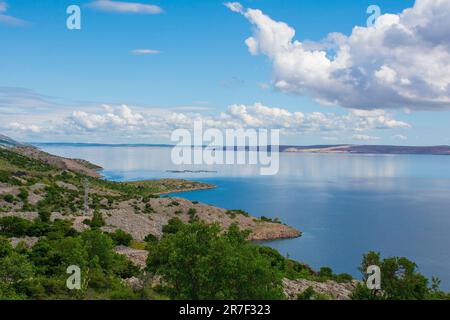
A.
pixel 403 62
pixel 110 122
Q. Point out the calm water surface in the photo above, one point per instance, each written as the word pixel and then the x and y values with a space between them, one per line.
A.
pixel 346 205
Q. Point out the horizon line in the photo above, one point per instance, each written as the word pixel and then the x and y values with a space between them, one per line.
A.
pixel 225 146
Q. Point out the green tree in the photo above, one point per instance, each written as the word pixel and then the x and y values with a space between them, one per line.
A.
pixel 99 247
pixel 5 247
pixel 23 195
pixel 121 238
pixel 399 279
pixel 97 220
pixel 8 198
pixel 14 226
pixel 199 262
pixel 44 214
pixel 173 226
pixel 14 271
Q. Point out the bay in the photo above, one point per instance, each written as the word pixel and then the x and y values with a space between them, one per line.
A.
pixel 345 204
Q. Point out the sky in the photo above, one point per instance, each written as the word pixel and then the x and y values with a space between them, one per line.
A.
pixel 139 69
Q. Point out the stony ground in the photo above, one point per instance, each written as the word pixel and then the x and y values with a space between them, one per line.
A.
pixel 142 218
pixel 131 218
pixel 333 289
pixel 138 257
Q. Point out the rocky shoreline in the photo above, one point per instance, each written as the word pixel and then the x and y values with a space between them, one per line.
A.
pixel 123 216
pixel 135 207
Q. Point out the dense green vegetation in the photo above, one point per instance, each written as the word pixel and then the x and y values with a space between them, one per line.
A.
pixel 40 272
pixel 234 213
pixel 12 160
pixel 400 280
pixel 197 262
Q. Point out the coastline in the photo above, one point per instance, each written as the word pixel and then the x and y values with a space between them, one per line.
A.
pixel 136 206
pixel 209 187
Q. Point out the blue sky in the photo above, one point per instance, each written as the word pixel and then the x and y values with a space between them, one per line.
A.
pixel 199 64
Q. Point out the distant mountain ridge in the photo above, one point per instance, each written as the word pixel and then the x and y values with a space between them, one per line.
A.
pixel 370 149
pixel 340 148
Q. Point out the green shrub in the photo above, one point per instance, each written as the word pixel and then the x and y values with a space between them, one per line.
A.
pixel 151 239
pixel 173 226
pixel 192 212
pixel 234 213
pixel 23 195
pixel 173 204
pixel 148 208
pixel 44 214
pixel 343 277
pixel 5 247
pixel 121 238
pixel 266 219
pixel 8 198
pixel 326 272
pixel 308 294
pixel 97 221
pixel 5 176
pixel 14 227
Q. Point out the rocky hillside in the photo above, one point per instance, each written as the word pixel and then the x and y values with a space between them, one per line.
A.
pixel 32 181
pixel 75 165
pixel 7 142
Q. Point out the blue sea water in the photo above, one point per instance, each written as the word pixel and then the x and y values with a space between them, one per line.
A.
pixel 345 204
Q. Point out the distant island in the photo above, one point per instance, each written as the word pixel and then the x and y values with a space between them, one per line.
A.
pixel 340 148
pixel 190 171
pixel 369 149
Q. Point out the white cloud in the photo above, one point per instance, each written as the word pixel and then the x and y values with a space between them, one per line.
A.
pixel 376 119
pixel 260 116
pixel 112 120
pixel 139 52
pixel 125 7
pixel 39 117
pixel 386 75
pixel 402 62
pixel 362 137
pixel 400 137
pixel 21 127
pixel 7 19
pixel 234 6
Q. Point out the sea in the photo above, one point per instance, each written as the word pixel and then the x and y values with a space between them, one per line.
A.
pixel 345 204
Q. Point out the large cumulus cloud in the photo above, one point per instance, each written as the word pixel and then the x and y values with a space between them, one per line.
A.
pixel 401 62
